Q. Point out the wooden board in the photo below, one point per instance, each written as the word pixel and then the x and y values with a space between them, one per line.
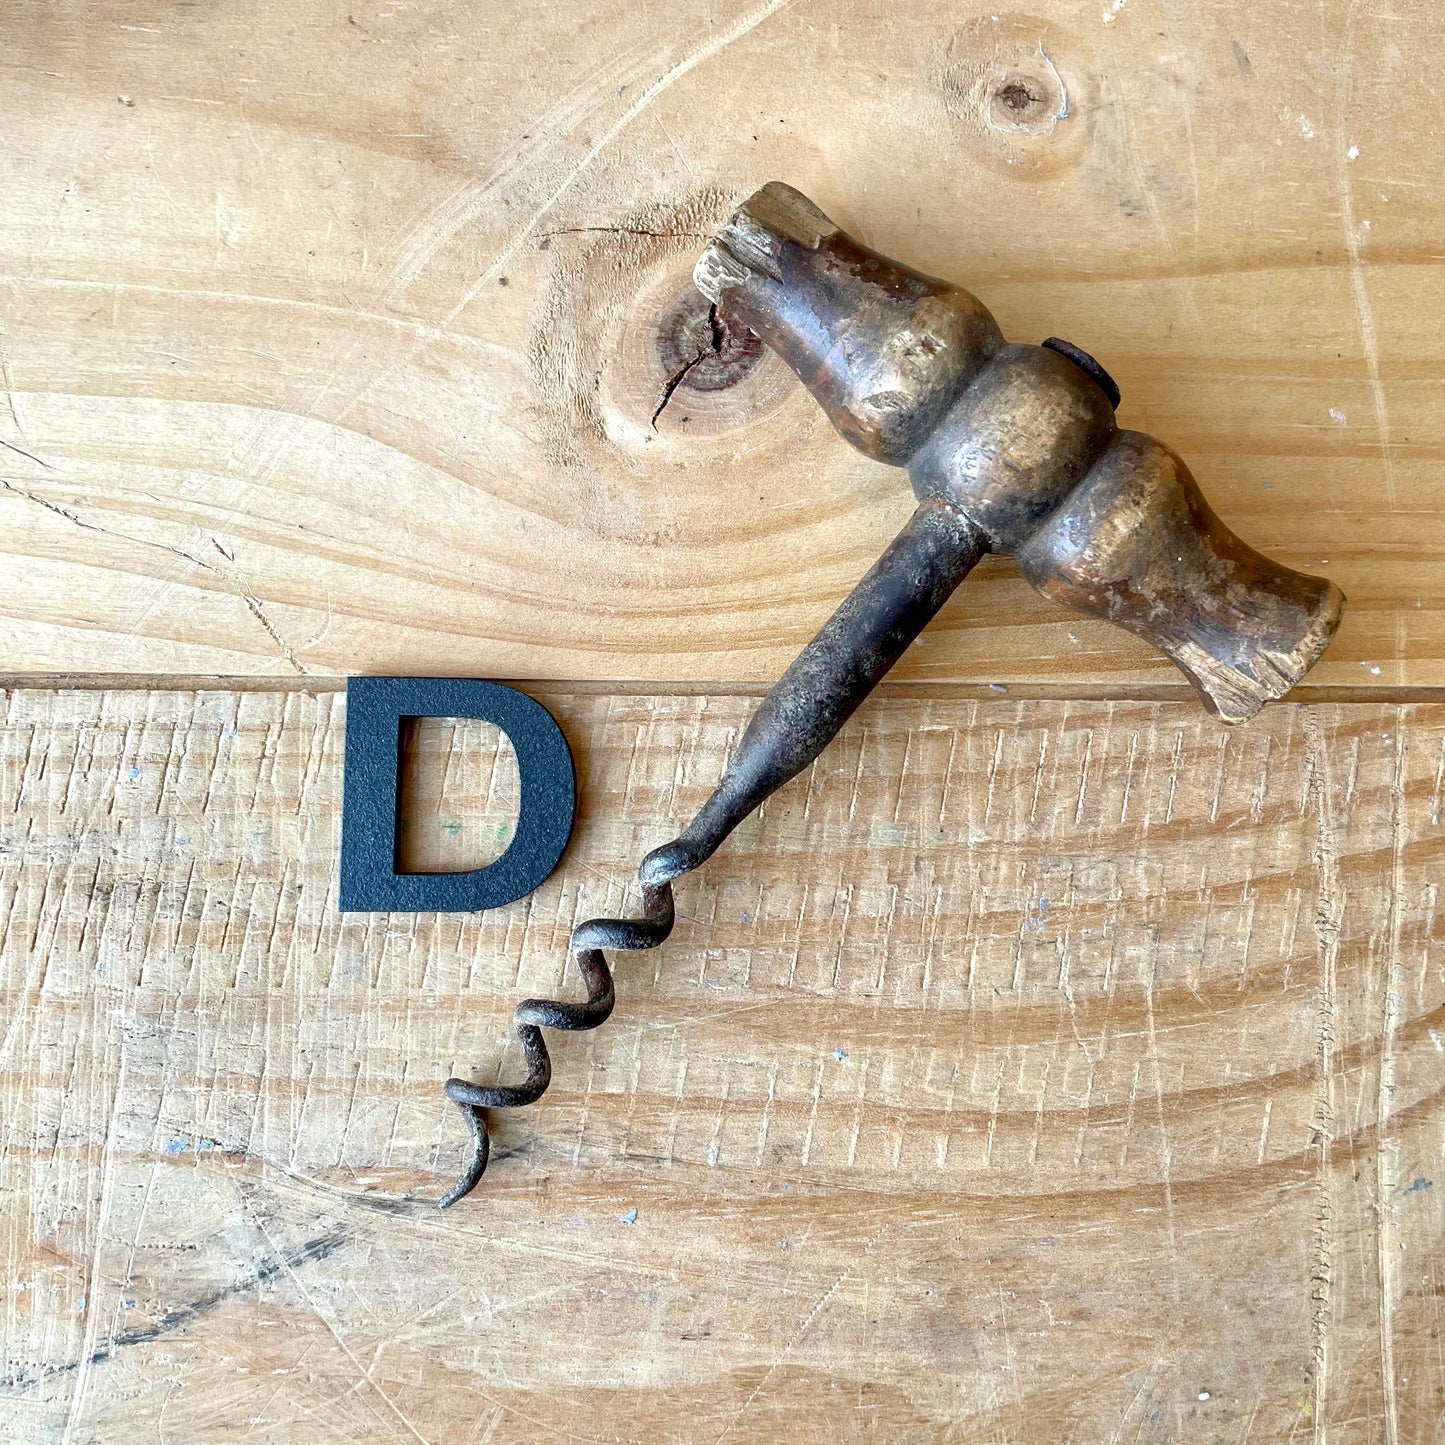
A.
pixel 1042 1070
pixel 333 333
pixel 1029 1072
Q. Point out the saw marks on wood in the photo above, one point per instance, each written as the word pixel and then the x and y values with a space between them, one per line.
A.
pixel 341 337
pixel 1026 1072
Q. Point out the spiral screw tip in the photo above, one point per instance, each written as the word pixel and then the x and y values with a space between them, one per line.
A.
pixel 532 1015
pixel 481 1151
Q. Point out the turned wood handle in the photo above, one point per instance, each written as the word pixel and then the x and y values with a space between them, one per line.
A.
pixel 1020 440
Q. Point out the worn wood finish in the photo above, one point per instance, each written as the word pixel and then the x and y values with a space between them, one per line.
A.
pixel 1030 1072
pixel 1018 444
pixel 333 333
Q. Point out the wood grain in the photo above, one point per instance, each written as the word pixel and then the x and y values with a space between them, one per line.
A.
pixel 1055 1070
pixel 1030 1071
pixel 333 333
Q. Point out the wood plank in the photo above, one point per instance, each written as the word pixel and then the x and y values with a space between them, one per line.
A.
pixel 1032 1071
pixel 333 332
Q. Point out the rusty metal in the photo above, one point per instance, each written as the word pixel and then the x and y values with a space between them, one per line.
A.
pixel 1011 449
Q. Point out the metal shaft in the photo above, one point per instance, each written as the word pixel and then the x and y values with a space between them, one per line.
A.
pixel 822 688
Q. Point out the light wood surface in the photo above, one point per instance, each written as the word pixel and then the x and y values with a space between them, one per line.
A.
pixel 1030 1072
pixel 333 333
pixel 1056 1070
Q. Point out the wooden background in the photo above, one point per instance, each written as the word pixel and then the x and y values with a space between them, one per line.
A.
pixel 1051 1064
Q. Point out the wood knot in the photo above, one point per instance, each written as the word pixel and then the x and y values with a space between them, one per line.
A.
pixel 1026 103
pixel 1013 85
pixel 630 359
pixel 700 349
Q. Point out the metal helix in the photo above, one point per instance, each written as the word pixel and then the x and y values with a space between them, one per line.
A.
pixel 535 1014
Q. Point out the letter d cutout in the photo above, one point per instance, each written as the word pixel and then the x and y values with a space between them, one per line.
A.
pixel 371 790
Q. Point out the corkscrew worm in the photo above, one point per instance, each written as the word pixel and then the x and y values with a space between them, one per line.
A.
pixel 535 1014
pixel 1010 449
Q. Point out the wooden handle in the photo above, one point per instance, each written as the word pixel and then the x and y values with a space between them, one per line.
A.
pixel 1137 544
pixel 885 349
pixel 1020 440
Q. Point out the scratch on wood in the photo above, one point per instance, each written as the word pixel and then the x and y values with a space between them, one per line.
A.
pixel 1354 249
pixel 669 77
pixel 29 456
pixel 253 603
pixel 1386 1144
pixel 363 1374
pixel 1329 910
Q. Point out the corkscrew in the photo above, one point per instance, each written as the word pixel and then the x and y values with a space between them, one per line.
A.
pixel 1010 449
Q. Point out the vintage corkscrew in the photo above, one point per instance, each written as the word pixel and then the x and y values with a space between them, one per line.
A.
pixel 1011 449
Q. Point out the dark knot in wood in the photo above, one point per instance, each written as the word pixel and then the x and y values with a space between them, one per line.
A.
pixel 701 349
